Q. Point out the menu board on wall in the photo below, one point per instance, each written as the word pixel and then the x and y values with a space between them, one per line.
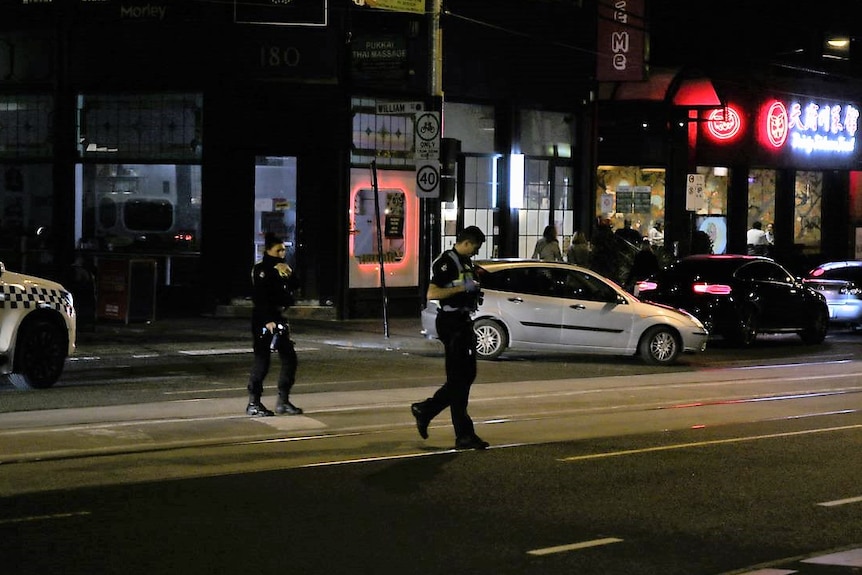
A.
pixel 631 200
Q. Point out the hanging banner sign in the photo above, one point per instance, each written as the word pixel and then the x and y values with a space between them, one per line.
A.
pixel 621 41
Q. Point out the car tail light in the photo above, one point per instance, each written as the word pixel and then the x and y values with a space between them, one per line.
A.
pixel 817 273
pixel 711 289
pixel 643 286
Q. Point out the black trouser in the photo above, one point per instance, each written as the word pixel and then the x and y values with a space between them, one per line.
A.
pixel 455 330
pixel 262 358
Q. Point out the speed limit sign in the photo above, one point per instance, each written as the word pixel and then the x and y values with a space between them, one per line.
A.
pixel 428 180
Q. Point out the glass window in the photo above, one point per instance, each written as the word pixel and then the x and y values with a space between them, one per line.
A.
pixel 807 220
pixel 761 197
pixel 26 215
pixel 139 207
pixel 630 192
pixel 25 125
pixel 143 127
pixel 715 185
pixel 546 133
pixel 470 123
pixel 386 139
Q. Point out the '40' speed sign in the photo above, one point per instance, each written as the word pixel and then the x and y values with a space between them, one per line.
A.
pixel 428 180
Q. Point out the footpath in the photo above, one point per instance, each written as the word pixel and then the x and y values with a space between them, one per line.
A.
pixel 213 332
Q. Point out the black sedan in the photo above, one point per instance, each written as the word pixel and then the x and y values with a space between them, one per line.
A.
pixel 738 296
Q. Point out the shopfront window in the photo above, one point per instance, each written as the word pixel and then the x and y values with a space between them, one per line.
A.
pixel 26 182
pixel 138 207
pixel 138 183
pixel 473 126
pixel 807 216
pixel 761 197
pixel 630 193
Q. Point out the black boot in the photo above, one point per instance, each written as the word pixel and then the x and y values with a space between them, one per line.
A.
pixel 255 408
pixel 284 407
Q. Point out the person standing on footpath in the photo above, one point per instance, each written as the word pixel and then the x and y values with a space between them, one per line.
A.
pixel 272 293
pixel 548 247
pixel 455 284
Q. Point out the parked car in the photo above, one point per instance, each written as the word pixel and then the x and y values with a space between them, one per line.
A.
pixel 37 329
pixel 841 285
pixel 529 304
pixel 738 297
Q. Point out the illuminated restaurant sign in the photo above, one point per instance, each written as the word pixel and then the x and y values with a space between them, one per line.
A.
pixel 724 124
pixel 809 127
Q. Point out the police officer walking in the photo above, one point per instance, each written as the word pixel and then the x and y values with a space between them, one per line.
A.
pixel 272 293
pixel 455 284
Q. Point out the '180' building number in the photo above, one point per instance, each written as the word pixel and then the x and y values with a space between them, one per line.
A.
pixel 279 57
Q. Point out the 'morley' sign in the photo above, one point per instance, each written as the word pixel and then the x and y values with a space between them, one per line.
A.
pixel 803 127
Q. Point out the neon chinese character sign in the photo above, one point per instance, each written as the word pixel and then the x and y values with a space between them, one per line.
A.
pixel 809 128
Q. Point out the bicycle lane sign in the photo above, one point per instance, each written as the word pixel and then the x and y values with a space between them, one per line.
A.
pixel 426 135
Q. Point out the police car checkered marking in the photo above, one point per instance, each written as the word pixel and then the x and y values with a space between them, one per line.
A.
pixel 16 297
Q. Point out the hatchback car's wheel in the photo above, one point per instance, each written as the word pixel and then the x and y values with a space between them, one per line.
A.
pixel 491 339
pixel 659 346
pixel 816 333
pixel 40 355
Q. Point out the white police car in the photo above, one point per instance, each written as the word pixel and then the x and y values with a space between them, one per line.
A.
pixel 37 329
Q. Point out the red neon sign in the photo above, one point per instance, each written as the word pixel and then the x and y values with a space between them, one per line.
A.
pixel 776 124
pixel 724 124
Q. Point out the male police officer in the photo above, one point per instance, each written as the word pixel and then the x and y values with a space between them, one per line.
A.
pixel 455 284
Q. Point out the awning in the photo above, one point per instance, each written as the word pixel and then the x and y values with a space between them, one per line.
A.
pixel 684 89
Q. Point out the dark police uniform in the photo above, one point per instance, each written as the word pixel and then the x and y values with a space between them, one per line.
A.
pixel 271 295
pixel 455 330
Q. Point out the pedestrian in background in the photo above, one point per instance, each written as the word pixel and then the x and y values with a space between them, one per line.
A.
pixel 273 282
pixel 755 238
pixel 656 234
pixel 579 252
pixel 644 265
pixel 548 247
pixel 455 284
pixel 629 234
pixel 770 239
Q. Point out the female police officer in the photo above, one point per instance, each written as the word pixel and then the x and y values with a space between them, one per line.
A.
pixel 272 292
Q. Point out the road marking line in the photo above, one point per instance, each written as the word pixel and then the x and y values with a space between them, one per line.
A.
pixel 851 558
pixel 840 502
pixel 44 517
pixel 574 546
pixel 707 443
pixel 228 351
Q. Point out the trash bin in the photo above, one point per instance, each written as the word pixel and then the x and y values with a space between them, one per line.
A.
pixel 127 289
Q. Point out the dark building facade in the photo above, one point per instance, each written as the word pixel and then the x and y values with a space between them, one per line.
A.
pixel 180 132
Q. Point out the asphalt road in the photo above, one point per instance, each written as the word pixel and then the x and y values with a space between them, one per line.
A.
pixel 734 462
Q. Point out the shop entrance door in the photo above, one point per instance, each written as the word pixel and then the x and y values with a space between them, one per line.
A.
pixel 275 203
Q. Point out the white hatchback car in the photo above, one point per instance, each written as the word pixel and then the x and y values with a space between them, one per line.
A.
pixel 37 329
pixel 529 304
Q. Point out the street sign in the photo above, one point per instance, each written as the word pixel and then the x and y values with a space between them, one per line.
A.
pixel 694 197
pixel 428 180
pixel 405 108
pixel 426 136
